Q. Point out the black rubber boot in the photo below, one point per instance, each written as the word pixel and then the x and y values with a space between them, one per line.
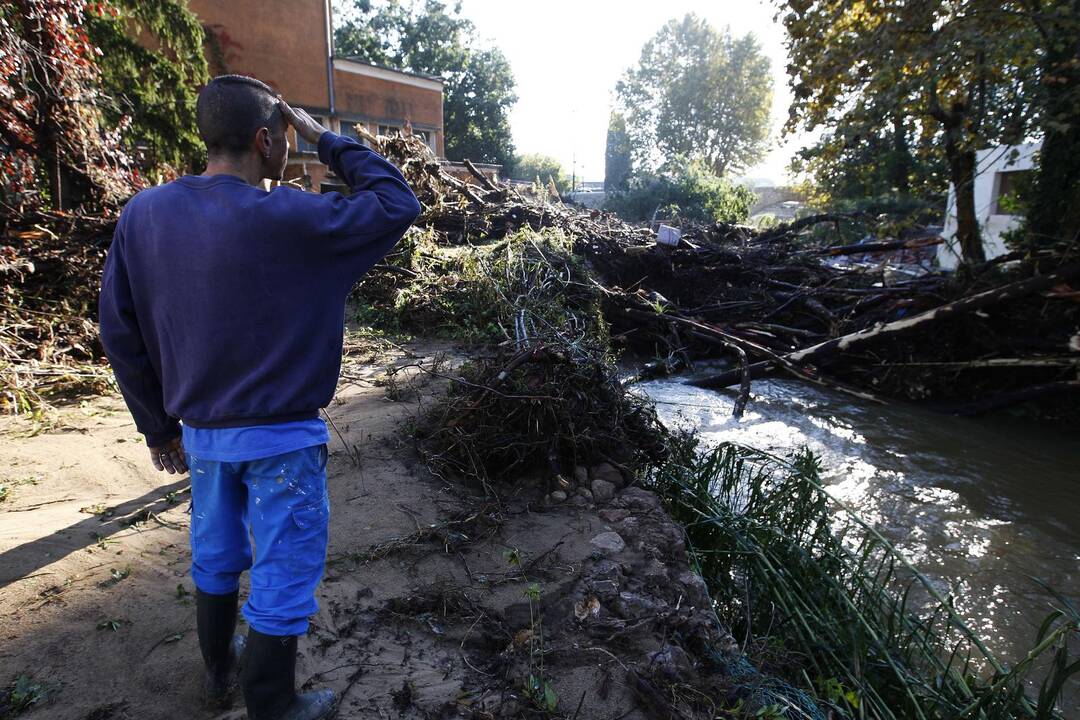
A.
pixel 221 648
pixel 269 681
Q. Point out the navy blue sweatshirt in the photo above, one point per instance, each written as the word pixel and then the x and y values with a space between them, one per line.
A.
pixel 224 305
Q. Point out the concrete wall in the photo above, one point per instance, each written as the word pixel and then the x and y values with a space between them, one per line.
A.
pixel 989 166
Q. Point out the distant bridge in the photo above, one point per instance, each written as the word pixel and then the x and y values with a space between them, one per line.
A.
pixel 770 199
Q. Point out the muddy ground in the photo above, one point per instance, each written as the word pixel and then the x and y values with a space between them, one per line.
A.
pixel 425 607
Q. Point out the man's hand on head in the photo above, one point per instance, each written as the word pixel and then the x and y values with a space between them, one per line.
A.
pixel 306 126
pixel 170 457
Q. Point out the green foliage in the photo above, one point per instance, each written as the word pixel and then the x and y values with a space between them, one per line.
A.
pixel 885 216
pixel 432 38
pixel 796 570
pixel 681 190
pixel 469 292
pixel 618 160
pixel 960 76
pixel 1053 197
pixel 155 88
pixel 535 166
pixel 851 164
pixel 112 624
pixel 20 696
pixel 700 93
pixel 56 150
pixel 856 64
pixel 537 688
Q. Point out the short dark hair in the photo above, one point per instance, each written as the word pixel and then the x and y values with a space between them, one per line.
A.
pixel 231 109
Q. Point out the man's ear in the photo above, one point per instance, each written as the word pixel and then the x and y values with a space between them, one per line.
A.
pixel 263 143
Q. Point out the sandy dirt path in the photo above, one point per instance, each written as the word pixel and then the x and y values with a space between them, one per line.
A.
pixel 424 608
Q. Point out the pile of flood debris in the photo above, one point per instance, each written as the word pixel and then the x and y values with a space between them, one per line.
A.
pixel 50 272
pixel 769 301
pixel 776 300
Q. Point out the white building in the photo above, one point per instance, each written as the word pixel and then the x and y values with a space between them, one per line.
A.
pixel 997 171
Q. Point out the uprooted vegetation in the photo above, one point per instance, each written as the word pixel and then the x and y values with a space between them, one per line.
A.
pixel 547 292
pixel 981 339
pixel 987 337
pixel 833 629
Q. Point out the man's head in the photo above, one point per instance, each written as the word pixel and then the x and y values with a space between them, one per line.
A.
pixel 240 117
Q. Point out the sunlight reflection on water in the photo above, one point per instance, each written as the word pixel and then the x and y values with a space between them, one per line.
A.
pixel 977 505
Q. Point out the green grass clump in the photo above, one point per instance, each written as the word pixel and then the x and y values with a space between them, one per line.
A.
pixel 828 605
pixel 21 695
pixel 480 293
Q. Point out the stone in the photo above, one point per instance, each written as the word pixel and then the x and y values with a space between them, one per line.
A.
pixel 613 515
pixel 696 590
pixel 672 662
pixel 606 590
pixel 635 498
pixel 607 570
pixel 608 542
pixel 631 605
pixel 602 490
pixel 578 501
pixel 585 493
pixel 581 476
pixel 558 496
pixel 655 572
pixel 608 473
pixel 630 526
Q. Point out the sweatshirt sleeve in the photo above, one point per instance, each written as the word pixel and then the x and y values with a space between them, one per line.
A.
pixel 126 350
pixel 364 226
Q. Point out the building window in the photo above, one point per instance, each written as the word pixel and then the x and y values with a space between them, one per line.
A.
pixel 348 128
pixel 303 146
pixel 1009 186
pixel 427 137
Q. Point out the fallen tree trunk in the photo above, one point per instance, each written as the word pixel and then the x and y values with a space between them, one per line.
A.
pixel 880 246
pixel 846 343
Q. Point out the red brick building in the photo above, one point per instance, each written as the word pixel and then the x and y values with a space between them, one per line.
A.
pixel 288 45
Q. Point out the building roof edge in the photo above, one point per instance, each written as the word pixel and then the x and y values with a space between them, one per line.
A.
pixel 353 59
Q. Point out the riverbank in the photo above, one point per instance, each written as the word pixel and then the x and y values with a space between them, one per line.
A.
pixel 437 602
pixel 981 505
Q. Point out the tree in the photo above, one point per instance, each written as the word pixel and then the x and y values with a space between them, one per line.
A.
pixel 1053 204
pixel 54 144
pixel 156 88
pixel 617 158
pixel 961 72
pixel 536 166
pixel 433 39
pixel 874 166
pixel 682 189
pixel 77 92
pixel 698 93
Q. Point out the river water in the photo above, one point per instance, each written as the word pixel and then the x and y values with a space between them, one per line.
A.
pixel 977 504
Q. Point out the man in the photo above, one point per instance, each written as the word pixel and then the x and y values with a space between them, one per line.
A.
pixel 222 308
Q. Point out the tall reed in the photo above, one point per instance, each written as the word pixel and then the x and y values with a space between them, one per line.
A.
pixel 832 607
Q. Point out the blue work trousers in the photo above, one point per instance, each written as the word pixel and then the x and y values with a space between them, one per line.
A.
pixel 280 502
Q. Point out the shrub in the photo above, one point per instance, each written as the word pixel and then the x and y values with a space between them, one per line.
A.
pixel 681 190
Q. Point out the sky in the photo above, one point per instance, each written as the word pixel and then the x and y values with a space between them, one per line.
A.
pixel 567 56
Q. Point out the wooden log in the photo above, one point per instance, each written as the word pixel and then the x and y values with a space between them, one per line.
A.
pixel 481 177
pixel 725 339
pixel 879 246
pixel 825 350
pixel 802 223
